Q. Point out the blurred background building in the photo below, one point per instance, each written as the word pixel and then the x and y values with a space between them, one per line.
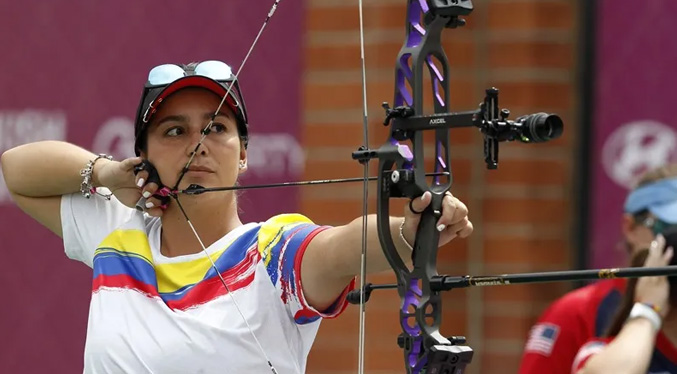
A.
pixel 74 70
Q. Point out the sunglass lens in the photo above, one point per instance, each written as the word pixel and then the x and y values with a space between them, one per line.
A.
pixel 165 74
pixel 216 70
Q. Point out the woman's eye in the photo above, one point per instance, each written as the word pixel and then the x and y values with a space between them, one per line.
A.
pixel 174 131
pixel 217 127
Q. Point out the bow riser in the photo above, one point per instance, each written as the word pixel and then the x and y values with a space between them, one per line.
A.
pixel 421 307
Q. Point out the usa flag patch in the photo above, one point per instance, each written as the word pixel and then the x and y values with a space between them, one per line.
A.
pixel 542 338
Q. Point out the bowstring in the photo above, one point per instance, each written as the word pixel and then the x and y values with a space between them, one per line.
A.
pixel 205 132
pixel 223 281
pixel 365 197
pixel 207 128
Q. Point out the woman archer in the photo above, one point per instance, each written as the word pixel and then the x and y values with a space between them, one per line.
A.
pixel 642 337
pixel 158 305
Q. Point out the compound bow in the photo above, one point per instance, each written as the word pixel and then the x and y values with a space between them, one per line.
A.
pixel 401 174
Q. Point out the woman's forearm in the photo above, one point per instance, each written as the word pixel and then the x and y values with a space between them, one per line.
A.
pixel 629 353
pixel 47 168
pixel 351 244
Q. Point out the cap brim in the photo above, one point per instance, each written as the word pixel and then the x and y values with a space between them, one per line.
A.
pixel 201 82
pixel 665 212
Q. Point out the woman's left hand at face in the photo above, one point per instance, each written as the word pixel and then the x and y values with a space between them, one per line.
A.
pixel 452 223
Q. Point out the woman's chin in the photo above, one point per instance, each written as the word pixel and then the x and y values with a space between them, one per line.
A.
pixel 190 182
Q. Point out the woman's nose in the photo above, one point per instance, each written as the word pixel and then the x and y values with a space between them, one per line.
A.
pixel 195 138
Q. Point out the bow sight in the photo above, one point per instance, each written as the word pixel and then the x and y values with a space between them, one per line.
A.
pixel 531 128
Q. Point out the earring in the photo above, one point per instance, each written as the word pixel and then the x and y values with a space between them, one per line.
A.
pixel 241 164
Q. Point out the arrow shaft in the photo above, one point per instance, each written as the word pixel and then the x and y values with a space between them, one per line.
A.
pixel 197 191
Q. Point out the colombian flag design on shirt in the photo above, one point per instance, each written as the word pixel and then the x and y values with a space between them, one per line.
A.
pixel 124 260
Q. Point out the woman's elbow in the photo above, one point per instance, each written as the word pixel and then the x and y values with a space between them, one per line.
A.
pixel 7 160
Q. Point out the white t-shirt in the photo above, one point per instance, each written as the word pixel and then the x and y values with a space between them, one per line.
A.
pixel 154 314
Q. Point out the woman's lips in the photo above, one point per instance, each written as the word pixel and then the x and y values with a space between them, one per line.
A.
pixel 199 172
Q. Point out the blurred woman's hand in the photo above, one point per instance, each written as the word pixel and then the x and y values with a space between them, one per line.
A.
pixel 655 291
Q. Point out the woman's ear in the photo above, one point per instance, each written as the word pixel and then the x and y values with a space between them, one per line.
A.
pixel 242 165
pixel 627 224
pixel 636 234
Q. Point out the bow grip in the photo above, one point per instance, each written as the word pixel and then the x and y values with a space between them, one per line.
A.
pixel 427 236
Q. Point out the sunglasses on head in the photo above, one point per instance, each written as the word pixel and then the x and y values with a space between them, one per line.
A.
pixel 219 72
pixel 167 73
pixel 656 225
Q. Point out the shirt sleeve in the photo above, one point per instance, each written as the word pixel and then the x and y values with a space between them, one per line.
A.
pixel 86 222
pixel 588 350
pixel 282 242
pixel 554 340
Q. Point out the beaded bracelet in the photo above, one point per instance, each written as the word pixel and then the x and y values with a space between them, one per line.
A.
pixel 656 308
pixel 403 238
pixel 86 187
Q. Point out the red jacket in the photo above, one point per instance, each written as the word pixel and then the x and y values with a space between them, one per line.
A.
pixel 569 323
